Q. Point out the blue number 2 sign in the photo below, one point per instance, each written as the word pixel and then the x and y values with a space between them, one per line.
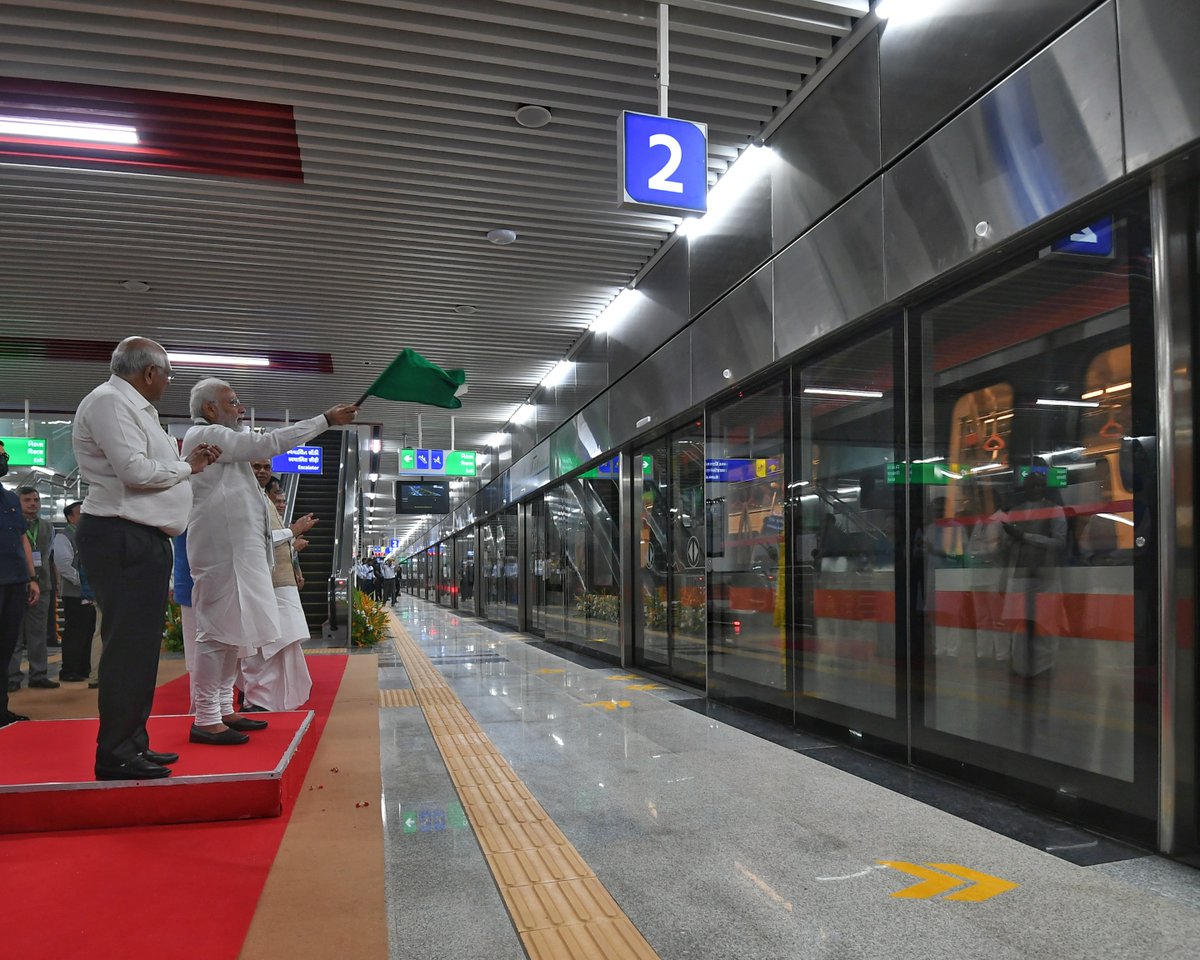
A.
pixel 663 163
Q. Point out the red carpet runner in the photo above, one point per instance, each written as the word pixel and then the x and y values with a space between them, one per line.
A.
pixel 170 893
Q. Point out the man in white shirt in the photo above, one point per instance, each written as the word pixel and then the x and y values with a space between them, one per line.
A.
pixel 389 582
pixel 139 496
pixel 231 553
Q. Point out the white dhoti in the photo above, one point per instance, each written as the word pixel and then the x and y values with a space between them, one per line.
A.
pixel 276 676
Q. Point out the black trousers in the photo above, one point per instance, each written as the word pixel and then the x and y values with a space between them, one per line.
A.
pixel 129 567
pixel 79 623
pixel 14 601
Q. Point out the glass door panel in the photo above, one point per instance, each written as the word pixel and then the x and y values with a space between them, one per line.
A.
pixel 745 462
pixel 688 516
pixel 1036 576
pixel 652 496
pixel 846 498
pixel 536 565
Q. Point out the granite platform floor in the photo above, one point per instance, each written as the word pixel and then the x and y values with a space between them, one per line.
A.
pixel 719 843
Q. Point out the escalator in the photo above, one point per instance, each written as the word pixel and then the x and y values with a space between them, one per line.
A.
pixel 318 495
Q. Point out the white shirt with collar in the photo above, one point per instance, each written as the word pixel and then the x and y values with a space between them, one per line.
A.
pixel 132 466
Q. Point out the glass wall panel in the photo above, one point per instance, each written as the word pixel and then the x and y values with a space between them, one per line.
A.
pixel 501 567
pixel 582 581
pixel 464 560
pixel 671 632
pixel 1035 567
pixel 745 464
pixel 847 501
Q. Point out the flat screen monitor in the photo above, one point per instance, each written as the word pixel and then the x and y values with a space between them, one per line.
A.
pixel 422 497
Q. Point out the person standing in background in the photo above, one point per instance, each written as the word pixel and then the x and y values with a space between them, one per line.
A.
pixel 18 585
pixel 79 618
pixel 32 636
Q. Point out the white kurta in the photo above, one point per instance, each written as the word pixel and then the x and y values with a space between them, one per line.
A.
pixel 229 535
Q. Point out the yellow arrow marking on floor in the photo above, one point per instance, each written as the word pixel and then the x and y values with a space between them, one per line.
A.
pixel 552 670
pixel 983 886
pixel 986 886
pixel 645 686
pixel 624 676
pixel 608 704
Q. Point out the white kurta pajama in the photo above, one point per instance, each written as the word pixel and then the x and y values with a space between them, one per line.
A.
pixel 275 677
pixel 231 553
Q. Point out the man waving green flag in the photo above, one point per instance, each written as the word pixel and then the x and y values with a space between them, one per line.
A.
pixel 413 378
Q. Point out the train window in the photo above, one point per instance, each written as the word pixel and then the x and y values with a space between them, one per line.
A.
pixel 1025 556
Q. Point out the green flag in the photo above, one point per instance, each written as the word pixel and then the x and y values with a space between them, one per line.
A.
pixel 413 378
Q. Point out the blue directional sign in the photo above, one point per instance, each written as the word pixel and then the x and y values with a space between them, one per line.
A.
pixel 393 544
pixel 422 459
pixel 1094 240
pixel 437 460
pixel 662 163
pixel 298 460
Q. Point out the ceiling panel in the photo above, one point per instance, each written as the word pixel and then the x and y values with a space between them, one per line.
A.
pixel 404 115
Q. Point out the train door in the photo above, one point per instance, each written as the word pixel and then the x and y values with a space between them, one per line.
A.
pixel 1034 578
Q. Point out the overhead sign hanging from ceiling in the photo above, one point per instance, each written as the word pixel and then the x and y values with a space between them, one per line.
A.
pixel 662 163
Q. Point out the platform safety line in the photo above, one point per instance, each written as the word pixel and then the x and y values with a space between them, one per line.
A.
pixel 326 651
pixel 561 911
pixel 397 698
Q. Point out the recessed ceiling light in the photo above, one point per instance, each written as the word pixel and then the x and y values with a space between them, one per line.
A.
pixel 218 359
pixel 135 286
pixel 465 308
pixel 502 235
pixel 45 129
pixel 532 115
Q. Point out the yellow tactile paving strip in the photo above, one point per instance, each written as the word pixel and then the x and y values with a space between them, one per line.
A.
pixel 560 909
pixel 326 651
pixel 398 698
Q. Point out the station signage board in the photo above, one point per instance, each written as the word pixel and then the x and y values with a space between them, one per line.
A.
pixel 611 469
pixel 738 470
pixel 393 544
pixel 25 451
pixel 662 163
pixel 1093 240
pixel 298 460
pixel 444 463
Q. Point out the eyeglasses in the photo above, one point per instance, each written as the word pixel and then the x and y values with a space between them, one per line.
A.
pixel 166 371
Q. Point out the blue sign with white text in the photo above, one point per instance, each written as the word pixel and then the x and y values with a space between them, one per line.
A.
pixel 298 460
pixel 1094 240
pixel 394 544
pixel 663 162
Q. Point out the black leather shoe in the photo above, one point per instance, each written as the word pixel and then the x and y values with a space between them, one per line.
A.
pixel 8 717
pixel 245 723
pixel 251 708
pixel 224 738
pixel 135 769
pixel 44 683
pixel 14 686
pixel 162 759
pixel 71 678
pixel 93 684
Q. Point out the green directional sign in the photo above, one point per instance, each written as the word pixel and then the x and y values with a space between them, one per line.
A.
pixel 460 463
pixel 25 451
pixel 443 463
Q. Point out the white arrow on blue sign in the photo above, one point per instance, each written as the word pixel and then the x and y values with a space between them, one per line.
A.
pixel 662 163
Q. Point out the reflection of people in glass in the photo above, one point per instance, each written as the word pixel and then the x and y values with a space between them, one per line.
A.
pixel 1033 606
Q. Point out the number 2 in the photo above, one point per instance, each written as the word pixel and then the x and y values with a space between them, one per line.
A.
pixel 659 181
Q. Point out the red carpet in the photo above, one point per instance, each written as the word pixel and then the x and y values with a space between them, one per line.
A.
pixel 173 892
